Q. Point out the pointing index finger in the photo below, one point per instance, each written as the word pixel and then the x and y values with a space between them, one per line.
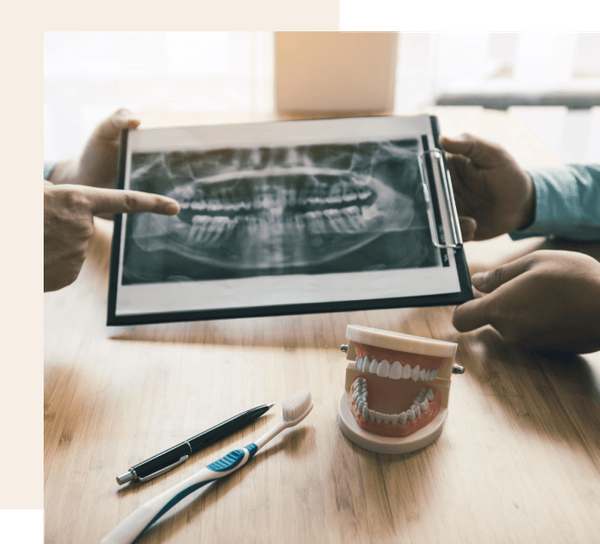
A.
pixel 109 201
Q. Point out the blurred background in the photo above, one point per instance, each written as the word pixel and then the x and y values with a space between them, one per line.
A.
pixel 548 81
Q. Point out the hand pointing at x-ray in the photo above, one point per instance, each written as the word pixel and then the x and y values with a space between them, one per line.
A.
pixel 78 192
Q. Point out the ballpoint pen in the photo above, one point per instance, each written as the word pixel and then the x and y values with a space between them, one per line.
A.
pixel 168 459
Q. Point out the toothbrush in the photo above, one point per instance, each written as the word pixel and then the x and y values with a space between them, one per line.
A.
pixel 294 410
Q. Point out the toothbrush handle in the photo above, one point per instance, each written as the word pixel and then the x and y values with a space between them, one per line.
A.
pixel 137 522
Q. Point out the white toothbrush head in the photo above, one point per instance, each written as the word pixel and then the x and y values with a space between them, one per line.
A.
pixel 297 407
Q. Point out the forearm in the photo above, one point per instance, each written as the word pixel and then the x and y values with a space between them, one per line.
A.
pixel 567 203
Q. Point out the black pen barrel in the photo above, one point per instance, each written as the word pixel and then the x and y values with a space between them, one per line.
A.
pixel 226 428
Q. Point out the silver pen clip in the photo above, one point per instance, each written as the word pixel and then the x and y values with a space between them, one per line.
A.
pixel 163 470
pixel 132 475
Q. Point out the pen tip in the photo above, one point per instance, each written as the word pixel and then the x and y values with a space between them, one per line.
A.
pixel 270 404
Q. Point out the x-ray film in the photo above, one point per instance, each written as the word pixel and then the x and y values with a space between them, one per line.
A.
pixel 285 217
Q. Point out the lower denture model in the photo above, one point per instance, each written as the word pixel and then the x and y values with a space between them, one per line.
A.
pixel 397 389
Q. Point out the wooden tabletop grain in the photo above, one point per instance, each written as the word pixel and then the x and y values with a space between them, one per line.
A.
pixel 518 460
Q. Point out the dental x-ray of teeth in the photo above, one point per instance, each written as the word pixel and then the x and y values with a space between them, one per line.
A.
pixel 282 217
pixel 309 209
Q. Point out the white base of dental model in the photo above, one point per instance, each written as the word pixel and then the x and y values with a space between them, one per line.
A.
pixel 384 444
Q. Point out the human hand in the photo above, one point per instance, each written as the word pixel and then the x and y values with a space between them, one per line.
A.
pixel 494 195
pixel 545 300
pixel 69 224
pixel 97 165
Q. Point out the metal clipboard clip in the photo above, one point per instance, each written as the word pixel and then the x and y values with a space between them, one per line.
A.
pixel 438 235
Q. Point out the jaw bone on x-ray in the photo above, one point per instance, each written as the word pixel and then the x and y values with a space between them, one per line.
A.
pixel 304 209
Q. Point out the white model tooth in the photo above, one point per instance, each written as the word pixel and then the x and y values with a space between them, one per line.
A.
pixel 361 404
pixel 406 371
pixel 366 364
pixel 432 375
pixel 402 418
pixel 358 363
pixel 422 374
pixel 365 411
pixel 355 395
pixel 394 419
pixel 424 405
pixel 417 410
pixel 386 419
pixel 410 415
pixel 396 371
pixel 372 415
pixel 430 395
pixel 383 371
pixel 379 417
pixel 374 366
pixel 415 373
pixel 427 372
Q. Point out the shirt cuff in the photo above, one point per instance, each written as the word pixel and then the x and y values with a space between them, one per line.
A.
pixel 567 203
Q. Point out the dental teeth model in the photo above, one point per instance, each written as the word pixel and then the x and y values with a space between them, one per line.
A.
pixel 397 389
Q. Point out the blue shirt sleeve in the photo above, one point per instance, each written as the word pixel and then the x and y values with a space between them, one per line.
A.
pixel 48 167
pixel 567 203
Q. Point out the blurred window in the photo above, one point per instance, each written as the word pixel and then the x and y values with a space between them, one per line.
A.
pixel 87 75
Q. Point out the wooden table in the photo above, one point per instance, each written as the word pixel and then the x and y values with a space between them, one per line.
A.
pixel 518 461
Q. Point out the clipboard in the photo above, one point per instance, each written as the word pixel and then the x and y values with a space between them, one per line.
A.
pixel 287 217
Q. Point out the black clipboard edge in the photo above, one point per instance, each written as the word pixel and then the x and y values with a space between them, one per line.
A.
pixel 284 310
pixel 113 277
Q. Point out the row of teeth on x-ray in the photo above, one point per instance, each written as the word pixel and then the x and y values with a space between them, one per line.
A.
pixel 209 228
pixel 267 210
pixel 275 200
